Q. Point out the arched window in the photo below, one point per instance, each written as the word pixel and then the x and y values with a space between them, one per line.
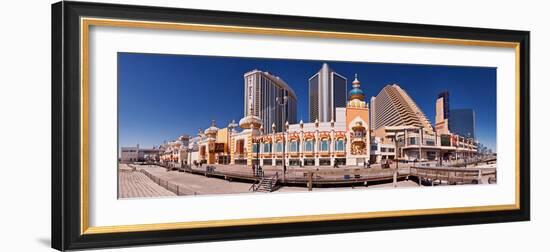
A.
pixel 339 145
pixel 294 146
pixel 324 145
pixel 255 147
pixel 279 147
pixel 309 145
pixel 240 146
pixel 267 147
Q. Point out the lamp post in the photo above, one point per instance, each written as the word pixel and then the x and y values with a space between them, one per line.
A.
pixel 282 102
pixel 469 146
pixel 257 143
pixel 396 151
pixel 396 158
pixel 421 141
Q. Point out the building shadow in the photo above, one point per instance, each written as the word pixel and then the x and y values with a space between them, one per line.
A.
pixel 44 241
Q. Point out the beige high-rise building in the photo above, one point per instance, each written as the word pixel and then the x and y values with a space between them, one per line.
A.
pixel 261 90
pixel 394 107
pixel 442 113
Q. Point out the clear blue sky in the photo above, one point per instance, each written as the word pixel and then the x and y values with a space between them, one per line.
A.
pixel 164 96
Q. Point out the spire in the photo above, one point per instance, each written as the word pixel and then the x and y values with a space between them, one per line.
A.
pixel 356 93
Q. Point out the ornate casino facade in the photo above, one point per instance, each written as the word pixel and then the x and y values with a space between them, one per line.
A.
pixel 344 140
pixel 398 130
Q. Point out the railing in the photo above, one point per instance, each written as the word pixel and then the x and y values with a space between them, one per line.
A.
pixel 269 183
pixel 450 175
pixel 175 188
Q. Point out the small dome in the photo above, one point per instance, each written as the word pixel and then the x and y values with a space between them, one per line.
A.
pixel 212 131
pixel 356 92
pixel 232 125
pixel 250 122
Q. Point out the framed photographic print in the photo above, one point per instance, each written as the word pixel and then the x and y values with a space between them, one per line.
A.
pixel 180 125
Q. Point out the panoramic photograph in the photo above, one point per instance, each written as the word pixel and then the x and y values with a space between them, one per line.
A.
pixel 202 125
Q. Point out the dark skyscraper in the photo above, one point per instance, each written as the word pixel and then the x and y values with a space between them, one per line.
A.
pixel 446 109
pixel 462 122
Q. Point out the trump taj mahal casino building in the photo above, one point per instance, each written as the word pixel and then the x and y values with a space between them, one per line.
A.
pixel 393 128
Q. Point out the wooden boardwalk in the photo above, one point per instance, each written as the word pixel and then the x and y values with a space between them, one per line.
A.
pixel 153 180
pixel 133 184
pixel 310 177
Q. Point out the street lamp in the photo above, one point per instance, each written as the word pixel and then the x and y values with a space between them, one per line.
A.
pixel 282 102
pixel 469 146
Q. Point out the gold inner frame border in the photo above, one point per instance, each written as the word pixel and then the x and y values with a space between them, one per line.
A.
pixel 86 22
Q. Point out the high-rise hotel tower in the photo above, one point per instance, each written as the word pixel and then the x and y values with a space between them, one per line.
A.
pixel 394 107
pixel 442 113
pixel 327 91
pixel 261 90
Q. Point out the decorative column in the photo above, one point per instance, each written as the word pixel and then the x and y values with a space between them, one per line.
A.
pixel 273 146
pixel 253 123
pixel 316 143
pixel 301 145
pixel 331 143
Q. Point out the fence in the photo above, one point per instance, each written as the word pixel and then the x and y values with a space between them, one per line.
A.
pixel 175 188
pixel 450 175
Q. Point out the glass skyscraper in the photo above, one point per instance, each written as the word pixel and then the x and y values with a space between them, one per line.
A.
pixel 462 122
pixel 327 91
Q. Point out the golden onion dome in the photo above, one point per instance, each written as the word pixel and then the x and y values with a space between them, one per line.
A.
pixel 212 131
pixel 250 122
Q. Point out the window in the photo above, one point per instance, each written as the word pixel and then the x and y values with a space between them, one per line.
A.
pixel 309 145
pixel 267 147
pixel 279 147
pixel 324 161
pixel 323 145
pixel 340 161
pixel 445 140
pixel 430 142
pixel 391 150
pixel 255 147
pixel 294 146
pixel 383 149
pixel 412 140
pixel 339 145
pixel 240 146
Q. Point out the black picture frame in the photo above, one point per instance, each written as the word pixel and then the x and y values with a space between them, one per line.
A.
pixel 66 124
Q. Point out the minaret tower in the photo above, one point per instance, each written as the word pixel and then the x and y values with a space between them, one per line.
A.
pixel 251 125
pixel 356 95
pixel 357 123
